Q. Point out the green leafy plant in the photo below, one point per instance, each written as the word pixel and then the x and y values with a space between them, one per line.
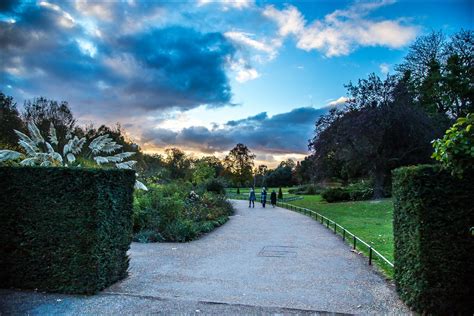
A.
pixel 40 152
pixel 455 150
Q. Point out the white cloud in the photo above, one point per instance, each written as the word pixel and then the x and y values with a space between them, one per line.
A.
pixel 342 31
pixel 243 71
pixel 270 47
pixel 226 4
pixel 99 9
pixel 384 68
pixel 339 101
pixel 289 20
pixel 87 47
pixel 65 19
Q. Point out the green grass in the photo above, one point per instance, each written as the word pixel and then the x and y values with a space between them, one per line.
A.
pixel 369 220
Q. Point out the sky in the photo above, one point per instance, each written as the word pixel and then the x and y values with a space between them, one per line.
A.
pixel 205 75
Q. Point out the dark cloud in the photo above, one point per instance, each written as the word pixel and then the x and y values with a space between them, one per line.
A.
pixel 282 133
pixel 48 52
pixel 8 5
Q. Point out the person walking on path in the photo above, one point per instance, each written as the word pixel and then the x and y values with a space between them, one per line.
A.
pixel 252 197
pixel 273 198
pixel 264 197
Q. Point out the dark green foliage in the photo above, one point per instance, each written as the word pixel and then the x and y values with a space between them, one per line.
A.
pixel 335 195
pixel 434 249
pixel 280 194
pixel 216 186
pixel 173 212
pixel 238 190
pixel 64 229
pixel 307 189
pixel 359 191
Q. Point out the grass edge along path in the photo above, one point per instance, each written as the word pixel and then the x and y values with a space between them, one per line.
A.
pixel 377 219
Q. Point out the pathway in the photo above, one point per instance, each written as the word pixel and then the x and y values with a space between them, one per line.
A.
pixel 261 261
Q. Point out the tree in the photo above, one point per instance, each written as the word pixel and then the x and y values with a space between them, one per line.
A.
pixel 43 112
pixel 280 194
pixel 239 164
pixel 215 163
pixel 260 175
pixel 371 138
pixel 9 121
pixel 456 149
pixel 177 163
pixel 203 172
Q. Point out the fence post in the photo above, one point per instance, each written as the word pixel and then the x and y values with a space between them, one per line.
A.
pixel 344 234
pixel 354 242
pixel 335 227
pixel 370 256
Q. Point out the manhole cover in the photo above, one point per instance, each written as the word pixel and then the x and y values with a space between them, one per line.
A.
pixel 278 251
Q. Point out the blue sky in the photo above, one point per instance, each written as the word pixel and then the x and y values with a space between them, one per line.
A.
pixel 204 75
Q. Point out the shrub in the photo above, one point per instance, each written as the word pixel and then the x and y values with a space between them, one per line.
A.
pixel 307 189
pixel 434 249
pixel 354 192
pixel 64 229
pixel 148 235
pixel 456 149
pixel 280 194
pixel 216 186
pixel 175 213
pixel 336 195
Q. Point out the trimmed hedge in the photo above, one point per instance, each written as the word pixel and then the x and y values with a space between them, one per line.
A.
pixel 434 249
pixel 64 229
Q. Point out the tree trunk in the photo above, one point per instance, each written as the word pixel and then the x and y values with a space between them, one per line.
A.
pixel 379 184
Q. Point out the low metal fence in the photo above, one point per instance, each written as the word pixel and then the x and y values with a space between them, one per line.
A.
pixel 347 236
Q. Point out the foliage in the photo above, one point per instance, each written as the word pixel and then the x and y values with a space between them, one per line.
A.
pixel 175 213
pixel 354 192
pixel 215 186
pixel 307 189
pixel 40 152
pixel 178 164
pixel 456 149
pixel 203 172
pixel 282 175
pixel 280 194
pixel 441 73
pixel 378 131
pixel 434 249
pixel 9 121
pixel 238 164
pixel 64 229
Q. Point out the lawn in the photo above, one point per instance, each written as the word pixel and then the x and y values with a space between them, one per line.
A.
pixel 369 220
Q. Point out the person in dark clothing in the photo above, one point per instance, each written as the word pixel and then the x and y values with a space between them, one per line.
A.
pixel 263 197
pixel 273 198
pixel 252 197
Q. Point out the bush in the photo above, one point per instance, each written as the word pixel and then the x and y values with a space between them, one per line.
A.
pixel 175 214
pixel 336 195
pixel 216 186
pixel 64 229
pixel 354 192
pixel 456 149
pixel 280 194
pixel 434 249
pixel 307 189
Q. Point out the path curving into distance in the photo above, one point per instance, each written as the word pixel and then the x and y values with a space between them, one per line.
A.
pixel 261 261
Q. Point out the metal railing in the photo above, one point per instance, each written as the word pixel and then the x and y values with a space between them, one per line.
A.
pixel 330 224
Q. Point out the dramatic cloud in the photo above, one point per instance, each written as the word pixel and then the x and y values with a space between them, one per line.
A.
pixel 154 69
pixel 280 134
pixel 342 31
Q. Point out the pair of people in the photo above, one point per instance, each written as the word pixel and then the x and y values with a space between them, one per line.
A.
pixel 263 197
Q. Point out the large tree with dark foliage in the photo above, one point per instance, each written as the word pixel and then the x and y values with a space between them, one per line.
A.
pixel 440 73
pixel 379 130
pixel 239 164
pixel 44 112
pixel 10 120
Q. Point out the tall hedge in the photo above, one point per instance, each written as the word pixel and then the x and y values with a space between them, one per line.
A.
pixel 434 249
pixel 64 229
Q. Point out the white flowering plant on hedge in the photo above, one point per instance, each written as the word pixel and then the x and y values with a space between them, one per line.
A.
pixel 46 153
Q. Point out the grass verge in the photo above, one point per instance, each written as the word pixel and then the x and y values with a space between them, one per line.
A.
pixel 369 220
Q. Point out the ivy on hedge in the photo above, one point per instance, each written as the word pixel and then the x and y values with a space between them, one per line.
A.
pixel 434 249
pixel 64 229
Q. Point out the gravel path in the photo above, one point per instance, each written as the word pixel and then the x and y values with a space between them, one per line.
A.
pixel 263 261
